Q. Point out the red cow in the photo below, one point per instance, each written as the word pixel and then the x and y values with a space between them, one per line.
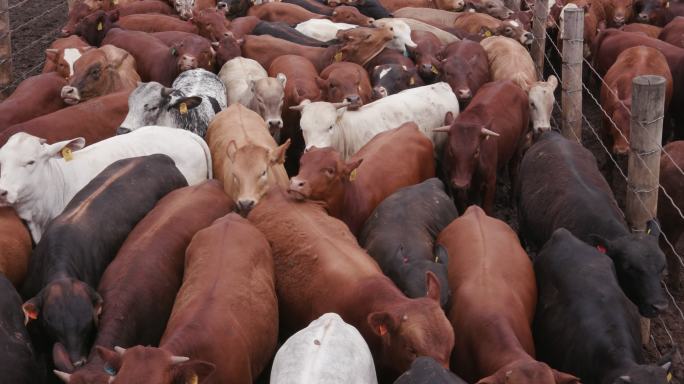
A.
pixel 648 29
pixel 62 55
pixel 350 15
pixel 145 6
pixel 193 51
pixel 94 27
pixel 243 26
pixel 290 14
pixel 76 14
pixel 466 68
pixel 425 55
pixel 15 246
pixel 156 23
pixel 673 32
pixel 345 82
pixel 35 96
pixel 226 49
pixel 671 223
pixel 211 24
pixel 472 156
pixel 351 191
pixel 618 12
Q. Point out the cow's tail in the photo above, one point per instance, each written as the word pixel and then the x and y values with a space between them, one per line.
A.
pixel 207 153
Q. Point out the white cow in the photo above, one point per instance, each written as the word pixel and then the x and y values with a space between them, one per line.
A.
pixel 541 100
pixel 39 179
pixel 322 29
pixel 402 34
pixel 328 351
pixel 331 125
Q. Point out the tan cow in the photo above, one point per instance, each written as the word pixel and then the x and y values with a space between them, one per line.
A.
pixel 485 25
pixel 508 60
pixel 245 156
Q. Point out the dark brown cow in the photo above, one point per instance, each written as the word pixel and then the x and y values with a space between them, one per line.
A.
pixel 36 96
pixel 154 61
pixel 226 49
pixel 673 32
pixel 472 156
pixel 359 45
pixel 313 6
pixel 15 246
pixel 156 23
pixel 654 12
pixel 137 304
pixel 671 223
pixel 493 302
pixel 425 54
pixel 228 294
pixel 345 82
pixel 616 91
pixel 192 51
pixel 350 15
pixel 466 68
pixel 648 29
pixel 313 252
pixel 287 13
pixel 211 24
pixel 388 79
pixel 94 27
pixel 94 120
pixel 145 6
pixel 352 190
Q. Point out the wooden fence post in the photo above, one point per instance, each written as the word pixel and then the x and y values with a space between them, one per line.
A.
pixel 573 47
pixel 5 47
pixel 541 14
pixel 646 132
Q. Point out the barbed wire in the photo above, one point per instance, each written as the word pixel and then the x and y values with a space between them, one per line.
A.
pixel 61 4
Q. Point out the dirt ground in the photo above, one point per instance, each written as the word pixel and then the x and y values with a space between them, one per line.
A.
pixel 36 24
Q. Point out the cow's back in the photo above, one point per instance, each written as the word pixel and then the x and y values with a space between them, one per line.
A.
pixel 18 365
pixel 15 246
pixel 36 96
pixel 508 60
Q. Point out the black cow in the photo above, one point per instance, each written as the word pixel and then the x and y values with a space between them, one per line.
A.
pixel 17 364
pixel 560 186
pixel 585 325
pixel 401 232
pixel 426 370
pixel 79 244
pixel 388 79
pixel 284 31
pixel 372 8
pixel 312 6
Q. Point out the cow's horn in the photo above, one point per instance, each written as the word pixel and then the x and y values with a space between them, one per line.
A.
pixel 65 377
pixel 179 359
pixel 444 128
pixel 486 131
pixel 297 108
pixel 120 350
pixel 342 104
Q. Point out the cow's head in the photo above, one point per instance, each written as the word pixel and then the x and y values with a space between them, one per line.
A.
pixel 23 164
pixel 425 55
pixel 141 365
pixel 77 13
pixel 94 75
pixel 417 328
pixel 622 12
pixel 350 15
pixel 319 122
pixel 94 27
pixel 346 84
pixel 516 31
pixel 323 176
pixel 528 372
pixel 269 94
pixel 360 45
pixel 494 8
pixel 648 11
pixel 184 8
pixel 640 265
pixel 64 59
pixel 388 79
pixel 226 49
pixel 458 71
pixel 151 104
pixel 660 373
pixel 541 100
pixel 249 175
pixel 212 24
pixel 620 132
pixel 450 5
pixel 401 34
pixel 68 311
pixel 192 54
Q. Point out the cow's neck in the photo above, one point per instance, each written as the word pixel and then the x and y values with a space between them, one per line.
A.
pixel 374 294
pixel 328 56
pixel 500 335
pixel 335 203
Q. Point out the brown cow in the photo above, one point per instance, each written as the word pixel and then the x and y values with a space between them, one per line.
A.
pixel 391 56
pixel 211 24
pixel 484 138
pixel 352 190
pixel 100 72
pixel 494 8
pixel 485 25
pixel 618 12
pixel 616 91
pixel 287 13
pixel 437 17
pixel 673 32
pixel 145 6
pixel 244 156
pixel 224 324
pixel 243 26
pixel 156 23
pixel 509 60
pixel 465 68
pixel 493 300
pixel 447 5
pixel 15 246
pixel 350 15
pixel 94 120
pixel 62 55
pixel 345 82
pixel 425 54
pixel 192 51
pixel 671 223
pixel 648 29
pixel 359 45
pixel 36 96
pixel 315 256
pixel 226 49
pixel 76 14
pixel 137 303
pixel 654 12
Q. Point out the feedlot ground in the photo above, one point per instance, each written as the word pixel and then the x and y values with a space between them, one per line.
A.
pixel 46 17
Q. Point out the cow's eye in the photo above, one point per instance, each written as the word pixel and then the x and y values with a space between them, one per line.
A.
pixel 330 128
pixel 30 162
pixel 111 371
pixel 263 174
pixel 329 172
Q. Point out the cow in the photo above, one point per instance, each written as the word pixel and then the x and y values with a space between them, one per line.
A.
pixel 509 60
pixel 338 354
pixel 286 32
pixel 494 8
pixel 425 370
pixel 618 12
pixel 226 49
pixel 18 363
pixel 653 12
pixel 345 82
pixel 28 164
pixel 563 177
pixel 76 15
pixel 77 247
pixel 437 17
pixel 192 51
pixel 143 300
pixel 494 296
pixel 15 246
pixel 94 27
pixel 392 56
pixel 402 36
pixel 594 20
pixel 389 79
pixel 211 23
pixel 322 29
pixel 145 6
pixel 359 45
pixel 243 26
pixel 607 322
pixel 244 156
pixel 541 98
pixel 156 23
pixel 447 5
pixel 371 8
pixel 290 14
pixel 154 60
pixel 465 67
pixel 400 235
pixel 672 225
pixel 36 96
pixel 673 32
pixel 61 60
pixel 312 250
pixel 351 15
pixel 648 29
pixel 229 263
pixel 485 25
pixel 616 90
pixel 313 6
pixel 195 97
pixel 425 54
pixel 247 83
pixel 94 120
pixel 331 125
pixel 233 9
pixel 483 140
pixel 187 8
pixel 99 72
pixel 417 25
pixel 350 189
pixel 302 80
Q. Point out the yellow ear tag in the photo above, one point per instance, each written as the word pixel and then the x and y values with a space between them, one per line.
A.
pixel 115 2
pixel 193 379
pixel 412 81
pixel 434 70
pixel 67 154
pixel 488 33
pixel 338 56
pixel 183 108
pixel 352 175
pixel 99 26
pixel 669 374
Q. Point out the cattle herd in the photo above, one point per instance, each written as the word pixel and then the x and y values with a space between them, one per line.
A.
pixel 302 191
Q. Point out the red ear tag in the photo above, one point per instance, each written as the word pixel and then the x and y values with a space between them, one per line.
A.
pixel 601 249
pixel 382 329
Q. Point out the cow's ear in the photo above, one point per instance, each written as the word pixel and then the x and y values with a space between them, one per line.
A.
pixel 113 15
pixel 564 378
pixel 434 288
pixel 350 169
pixel 553 82
pixel 31 309
pixel 231 150
pixel 193 372
pixel 51 54
pixel 321 82
pixel 382 323
pixel 653 228
pixel 111 358
pixel 277 156
pixel 190 102
pixel 599 242
pixel 55 150
pixel 488 380
pixel 282 79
